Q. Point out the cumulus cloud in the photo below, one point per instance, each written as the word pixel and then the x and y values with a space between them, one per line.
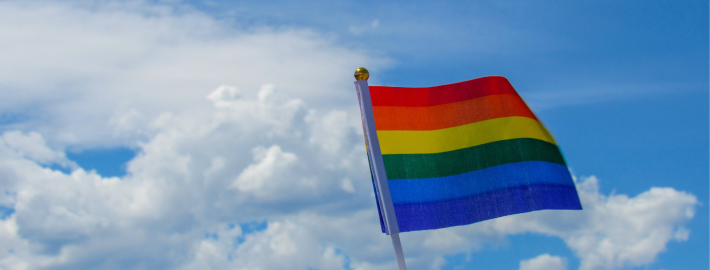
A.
pixel 32 146
pixel 203 176
pixel 233 128
pixel 95 73
pixel 544 262
pixel 614 231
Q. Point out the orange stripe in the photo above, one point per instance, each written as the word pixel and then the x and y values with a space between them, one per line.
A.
pixel 450 114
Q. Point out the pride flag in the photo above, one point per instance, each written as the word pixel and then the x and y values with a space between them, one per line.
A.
pixel 461 153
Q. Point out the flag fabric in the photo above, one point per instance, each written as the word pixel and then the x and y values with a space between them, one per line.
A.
pixel 461 153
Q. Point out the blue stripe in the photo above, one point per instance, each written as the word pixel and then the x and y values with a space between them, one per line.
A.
pixel 478 182
pixel 427 216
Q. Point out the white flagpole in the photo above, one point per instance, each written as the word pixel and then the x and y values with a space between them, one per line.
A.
pixel 378 166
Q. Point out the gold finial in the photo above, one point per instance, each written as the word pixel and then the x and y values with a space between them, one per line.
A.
pixel 361 73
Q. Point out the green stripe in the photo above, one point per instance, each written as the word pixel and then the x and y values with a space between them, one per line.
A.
pixel 417 166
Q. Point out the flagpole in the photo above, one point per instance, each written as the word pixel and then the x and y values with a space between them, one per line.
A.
pixel 377 164
pixel 398 251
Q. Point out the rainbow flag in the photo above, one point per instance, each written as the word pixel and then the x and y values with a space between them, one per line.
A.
pixel 461 153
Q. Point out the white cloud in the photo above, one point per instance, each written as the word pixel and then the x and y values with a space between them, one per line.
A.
pixel 198 174
pixel 544 262
pixel 614 231
pixel 224 95
pixel 207 173
pixel 87 74
pixel 270 163
pixel 32 146
pixel 233 127
pixel 347 185
pixel 360 29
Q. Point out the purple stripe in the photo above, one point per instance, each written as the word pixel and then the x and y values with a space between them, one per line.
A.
pixel 435 215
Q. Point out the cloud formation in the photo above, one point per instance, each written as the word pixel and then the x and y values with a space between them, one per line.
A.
pixel 250 154
pixel 544 262
pixel 94 74
pixel 615 231
pixel 202 178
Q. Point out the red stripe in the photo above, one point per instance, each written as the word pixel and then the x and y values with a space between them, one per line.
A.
pixel 443 94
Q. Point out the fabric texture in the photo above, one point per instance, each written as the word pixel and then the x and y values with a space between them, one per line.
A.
pixel 466 152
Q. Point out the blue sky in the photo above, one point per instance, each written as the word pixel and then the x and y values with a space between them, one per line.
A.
pixel 623 87
pixel 631 77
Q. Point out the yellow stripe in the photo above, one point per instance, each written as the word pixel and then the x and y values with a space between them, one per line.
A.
pixel 464 136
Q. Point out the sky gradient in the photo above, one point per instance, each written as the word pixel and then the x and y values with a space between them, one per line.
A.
pixel 226 134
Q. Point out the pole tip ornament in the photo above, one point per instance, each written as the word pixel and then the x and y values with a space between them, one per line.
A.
pixel 362 74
